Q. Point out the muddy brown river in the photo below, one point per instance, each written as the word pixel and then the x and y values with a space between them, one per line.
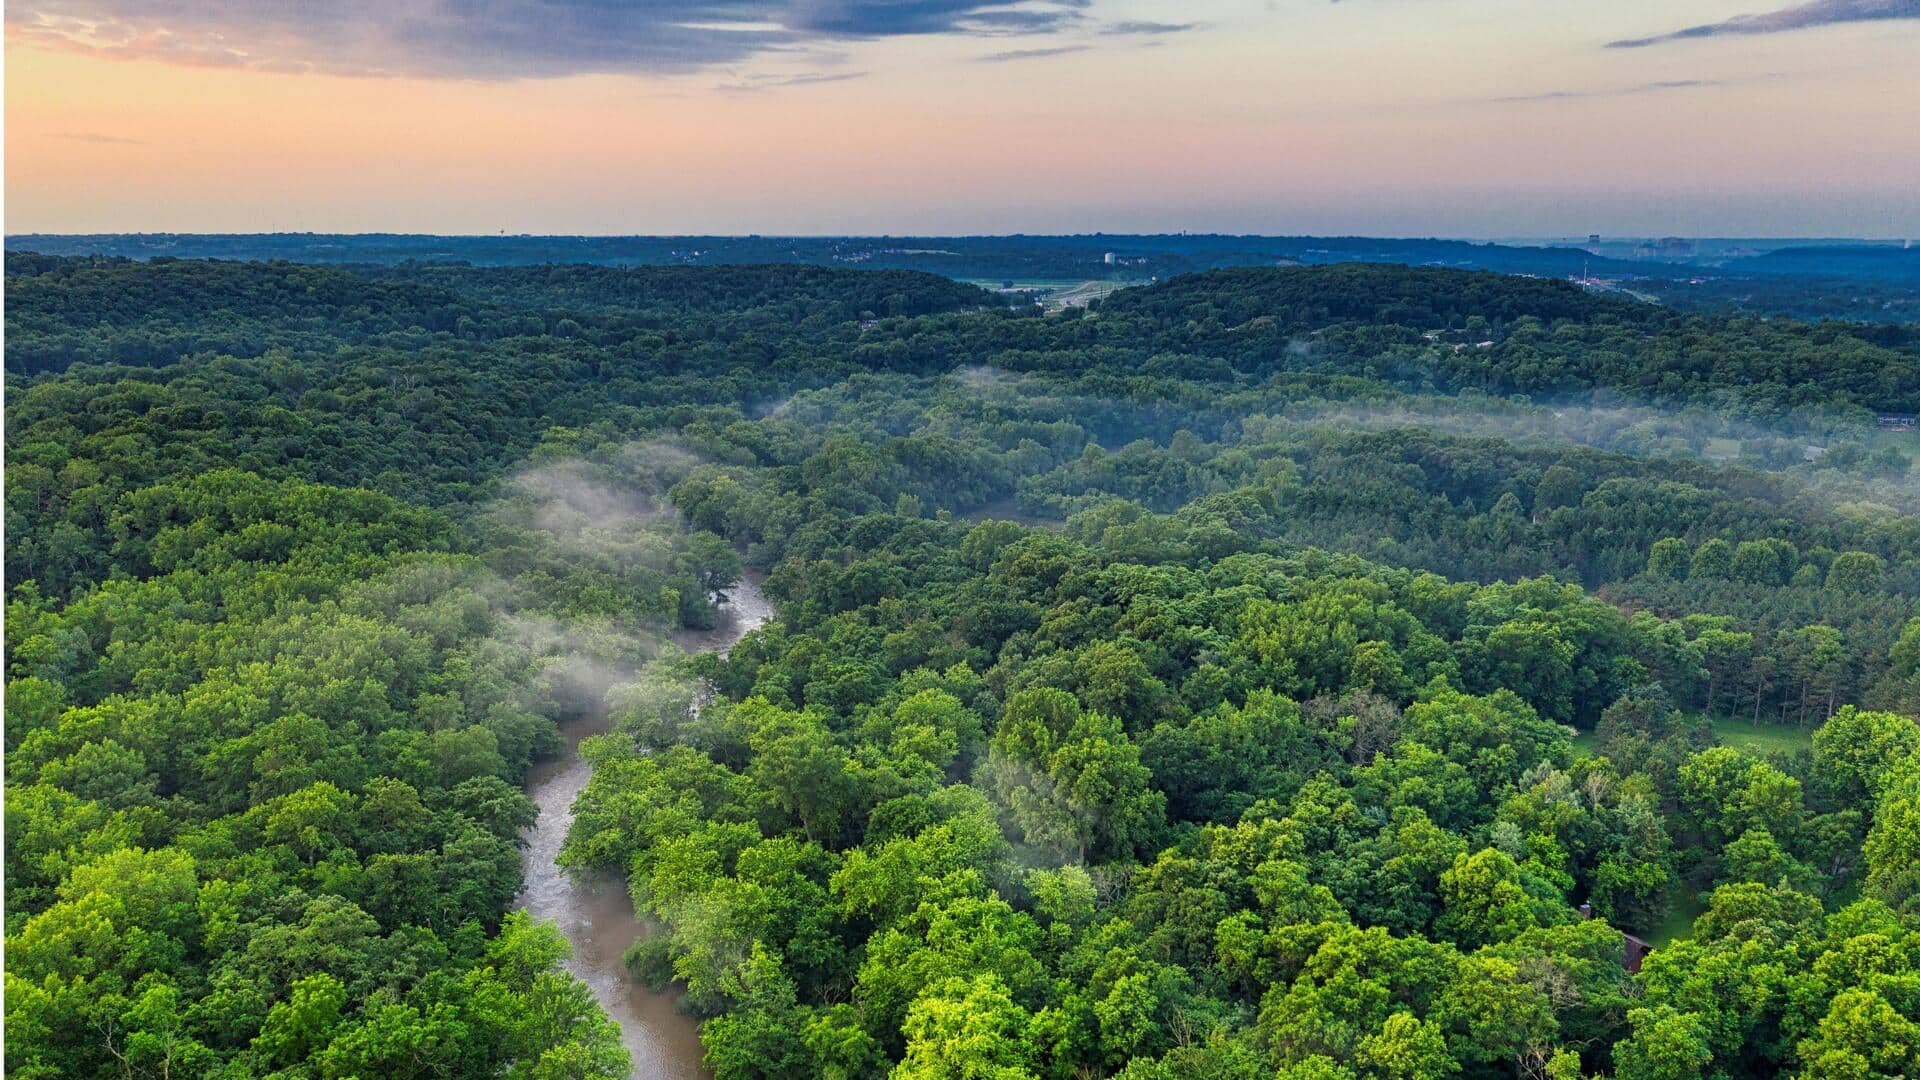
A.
pixel 593 910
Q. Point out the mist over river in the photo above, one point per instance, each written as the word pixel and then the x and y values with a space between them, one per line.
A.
pixel 593 910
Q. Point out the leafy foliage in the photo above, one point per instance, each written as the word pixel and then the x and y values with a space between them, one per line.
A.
pixel 1262 743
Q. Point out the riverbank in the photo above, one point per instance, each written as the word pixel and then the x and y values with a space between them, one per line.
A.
pixel 594 911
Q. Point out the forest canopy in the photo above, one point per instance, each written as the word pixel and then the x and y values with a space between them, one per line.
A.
pixel 1339 671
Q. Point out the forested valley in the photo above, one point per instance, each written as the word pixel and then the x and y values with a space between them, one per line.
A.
pixel 1318 672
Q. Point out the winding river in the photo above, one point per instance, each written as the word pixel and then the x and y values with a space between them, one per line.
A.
pixel 593 910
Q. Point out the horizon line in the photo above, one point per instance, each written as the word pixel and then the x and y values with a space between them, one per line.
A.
pixel 1570 237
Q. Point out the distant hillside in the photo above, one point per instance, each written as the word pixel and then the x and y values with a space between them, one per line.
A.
pixel 1455 330
pixel 991 258
pixel 1857 281
pixel 1441 329
pixel 1882 263
pixel 62 311
pixel 1310 297
pixel 808 290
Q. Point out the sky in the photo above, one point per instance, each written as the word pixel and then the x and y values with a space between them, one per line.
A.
pixel 1468 118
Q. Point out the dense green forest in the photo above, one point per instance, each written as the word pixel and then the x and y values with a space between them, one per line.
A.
pixel 1863 282
pixel 1261 673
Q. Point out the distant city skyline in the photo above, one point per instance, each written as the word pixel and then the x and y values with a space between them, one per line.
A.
pixel 1478 119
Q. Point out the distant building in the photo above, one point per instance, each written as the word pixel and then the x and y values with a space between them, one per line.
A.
pixel 1897 422
pixel 1637 948
pixel 1637 951
pixel 1593 239
pixel 1667 247
pixel 1109 258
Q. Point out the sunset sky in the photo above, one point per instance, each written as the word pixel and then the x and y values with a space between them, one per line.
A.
pixel 1483 118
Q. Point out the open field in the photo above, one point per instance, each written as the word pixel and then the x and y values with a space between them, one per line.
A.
pixel 1085 293
pixel 1057 294
pixel 1679 921
pixel 1755 738
pixel 1743 735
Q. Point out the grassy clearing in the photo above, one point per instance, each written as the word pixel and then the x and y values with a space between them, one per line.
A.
pixel 1030 283
pixel 1055 295
pixel 1749 737
pixel 1743 735
pixel 1086 292
pixel 1679 921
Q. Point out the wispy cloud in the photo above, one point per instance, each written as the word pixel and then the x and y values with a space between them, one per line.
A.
pixel 753 84
pixel 1797 17
pixel 98 137
pixel 1030 54
pixel 1011 20
pixel 1137 26
pixel 1610 92
pixel 463 39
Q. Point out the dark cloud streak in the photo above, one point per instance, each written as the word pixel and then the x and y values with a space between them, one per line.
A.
pixel 1624 91
pixel 758 84
pixel 1797 17
pixel 1135 26
pixel 480 40
pixel 1029 54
